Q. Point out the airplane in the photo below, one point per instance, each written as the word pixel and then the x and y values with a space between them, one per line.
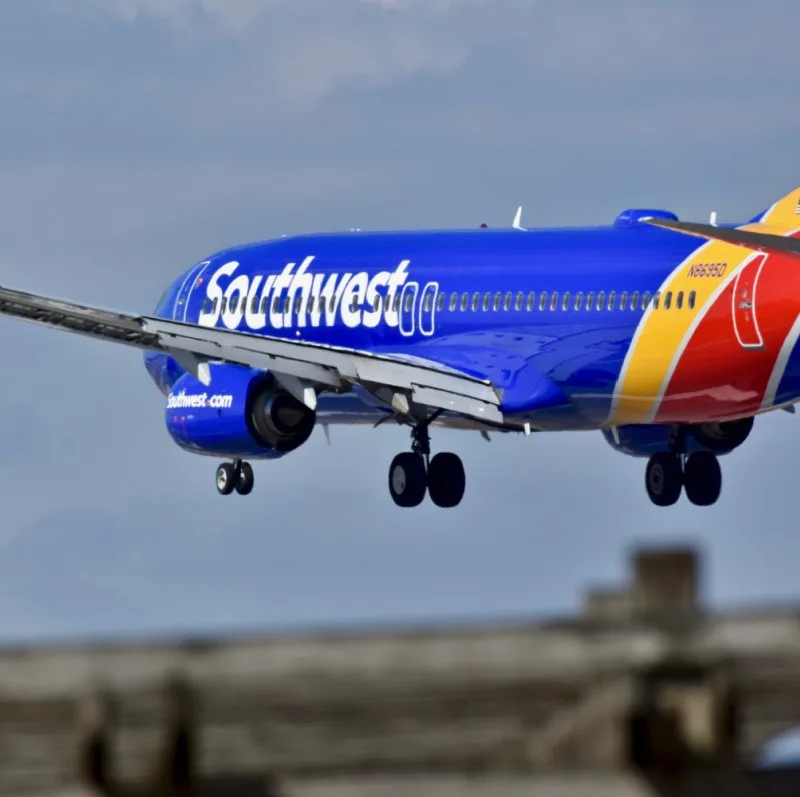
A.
pixel 666 336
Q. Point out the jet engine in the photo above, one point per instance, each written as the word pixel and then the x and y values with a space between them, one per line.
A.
pixel 724 436
pixel 644 440
pixel 242 413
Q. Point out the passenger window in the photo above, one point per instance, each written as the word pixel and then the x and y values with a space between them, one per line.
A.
pixel 498 297
pixel 224 304
pixel 679 301
pixel 590 300
pixel 376 305
pixel 453 301
pixel 214 306
pixel 287 307
pixel 611 300
pixel 565 301
pixel 439 302
pixel 531 300
pixel 578 300
pixel 476 297
pixel 601 298
pixel 553 300
pixel 692 298
pixel 354 304
pixel 668 300
pixel 656 297
pixel 265 300
pixel 487 297
pixel 518 303
pixel 645 300
pixel 275 304
pixel 507 303
pixel 542 300
pixel 464 300
pixel 623 300
pixel 407 303
pixel 396 302
pixel 634 300
pixel 428 304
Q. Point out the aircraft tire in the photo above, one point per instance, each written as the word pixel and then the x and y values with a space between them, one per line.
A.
pixel 408 481
pixel 245 479
pixel 664 478
pixel 446 480
pixel 702 478
pixel 226 478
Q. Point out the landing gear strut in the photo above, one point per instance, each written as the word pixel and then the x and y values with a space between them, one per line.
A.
pixel 669 473
pixel 413 473
pixel 237 475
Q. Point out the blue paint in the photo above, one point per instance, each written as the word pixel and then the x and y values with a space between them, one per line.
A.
pixel 556 365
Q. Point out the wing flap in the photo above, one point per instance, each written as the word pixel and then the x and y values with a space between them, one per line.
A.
pixel 441 387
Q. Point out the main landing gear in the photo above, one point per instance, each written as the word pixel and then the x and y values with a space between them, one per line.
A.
pixel 415 472
pixel 669 473
pixel 236 475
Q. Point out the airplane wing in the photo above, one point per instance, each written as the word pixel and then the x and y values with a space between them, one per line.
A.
pixel 759 241
pixel 295 363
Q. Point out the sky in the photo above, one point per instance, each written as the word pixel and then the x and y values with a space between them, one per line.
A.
pixel 138 136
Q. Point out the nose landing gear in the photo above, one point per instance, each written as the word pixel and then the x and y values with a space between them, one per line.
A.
pixel 237 475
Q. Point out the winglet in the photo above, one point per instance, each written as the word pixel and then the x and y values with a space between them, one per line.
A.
pixel 516 224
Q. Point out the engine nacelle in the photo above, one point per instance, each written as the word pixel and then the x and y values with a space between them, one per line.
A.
pixel 243 413
pixel 724 436
pixel 644 440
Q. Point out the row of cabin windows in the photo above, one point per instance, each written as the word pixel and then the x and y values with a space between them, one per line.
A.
pixel 465 301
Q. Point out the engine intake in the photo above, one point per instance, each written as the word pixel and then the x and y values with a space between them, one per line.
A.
pixel 724 436
pixel 279 420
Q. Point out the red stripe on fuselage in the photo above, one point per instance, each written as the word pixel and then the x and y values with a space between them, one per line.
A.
pixel 718 378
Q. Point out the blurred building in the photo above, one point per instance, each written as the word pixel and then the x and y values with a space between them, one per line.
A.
pixel 645 692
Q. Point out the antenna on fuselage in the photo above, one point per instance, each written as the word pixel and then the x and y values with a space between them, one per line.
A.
pixel 517 219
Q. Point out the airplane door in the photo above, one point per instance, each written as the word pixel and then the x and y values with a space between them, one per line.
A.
pixel 745 321
pixel 427 308
pixel 408 308
pixel 185 292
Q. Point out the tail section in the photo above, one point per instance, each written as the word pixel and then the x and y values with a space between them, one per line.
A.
pixel 784 214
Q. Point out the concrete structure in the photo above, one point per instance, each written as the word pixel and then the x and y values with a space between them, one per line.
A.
pixel 645 694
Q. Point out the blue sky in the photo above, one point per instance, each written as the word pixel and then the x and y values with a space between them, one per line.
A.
pixel 139 135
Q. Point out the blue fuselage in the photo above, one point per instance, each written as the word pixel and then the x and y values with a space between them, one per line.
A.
pixel 547 315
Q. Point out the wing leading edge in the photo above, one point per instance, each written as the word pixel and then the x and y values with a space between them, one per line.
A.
pixel 296 364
